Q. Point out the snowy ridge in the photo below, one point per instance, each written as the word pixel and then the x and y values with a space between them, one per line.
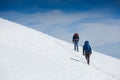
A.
pixel 26 54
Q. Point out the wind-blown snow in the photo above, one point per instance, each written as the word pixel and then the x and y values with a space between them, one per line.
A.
pixel 26 54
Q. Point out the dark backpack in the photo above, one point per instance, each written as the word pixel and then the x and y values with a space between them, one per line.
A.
pixel 76 37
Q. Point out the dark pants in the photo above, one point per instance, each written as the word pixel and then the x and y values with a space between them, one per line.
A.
pixel 87 56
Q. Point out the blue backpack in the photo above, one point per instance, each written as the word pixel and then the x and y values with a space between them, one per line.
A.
pixel 87 47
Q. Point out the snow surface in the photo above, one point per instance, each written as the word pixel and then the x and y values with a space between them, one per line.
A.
pixel 26 54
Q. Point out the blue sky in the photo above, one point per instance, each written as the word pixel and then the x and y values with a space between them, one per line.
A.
pixel 95 20
pixel 30 6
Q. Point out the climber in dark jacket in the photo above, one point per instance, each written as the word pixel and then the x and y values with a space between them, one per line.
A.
pixel 75 41
pixel 87 51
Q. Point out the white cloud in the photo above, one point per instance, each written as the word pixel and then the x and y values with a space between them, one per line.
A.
pixel 100 34
pixel 98 28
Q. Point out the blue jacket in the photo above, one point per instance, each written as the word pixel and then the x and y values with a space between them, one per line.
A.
pixel 87 48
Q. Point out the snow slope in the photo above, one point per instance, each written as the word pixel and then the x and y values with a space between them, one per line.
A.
pixel 26 54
